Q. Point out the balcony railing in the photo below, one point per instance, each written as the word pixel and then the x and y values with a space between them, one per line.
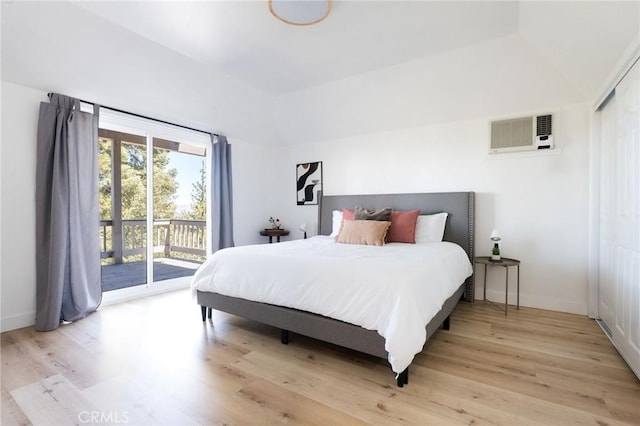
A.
pixel 169 236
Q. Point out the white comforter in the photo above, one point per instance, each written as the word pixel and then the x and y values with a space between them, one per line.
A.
pixel 395 289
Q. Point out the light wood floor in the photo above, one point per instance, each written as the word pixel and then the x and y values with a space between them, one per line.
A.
pixel 152 361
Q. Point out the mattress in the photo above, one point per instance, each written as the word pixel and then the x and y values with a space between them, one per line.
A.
pixel 395 289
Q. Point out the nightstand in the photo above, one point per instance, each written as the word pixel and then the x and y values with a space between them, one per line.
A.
pixel 274 233
pixel 504 262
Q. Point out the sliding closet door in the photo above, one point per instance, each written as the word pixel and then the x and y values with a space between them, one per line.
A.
pixel 619 291
pixel 608 193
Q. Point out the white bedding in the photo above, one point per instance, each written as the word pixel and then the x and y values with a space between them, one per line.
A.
pixel 395 289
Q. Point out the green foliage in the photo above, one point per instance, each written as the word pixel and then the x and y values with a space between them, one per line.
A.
pixel 133 160
pixel 199 197
pixel 165 186
pixel 104 178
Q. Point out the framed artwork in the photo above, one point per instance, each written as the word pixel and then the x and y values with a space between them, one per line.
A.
pixel 308 182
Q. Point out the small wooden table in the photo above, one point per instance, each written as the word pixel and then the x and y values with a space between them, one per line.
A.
pixel 274 233
pixel 505 262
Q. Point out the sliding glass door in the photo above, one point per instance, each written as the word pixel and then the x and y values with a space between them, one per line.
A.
pixel 153 209
pixel 123 209
pixel 179 213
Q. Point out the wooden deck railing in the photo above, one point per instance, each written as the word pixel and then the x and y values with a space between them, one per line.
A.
pixel 169 235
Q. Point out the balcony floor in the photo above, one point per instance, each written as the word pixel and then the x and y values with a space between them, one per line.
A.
pixel 130 274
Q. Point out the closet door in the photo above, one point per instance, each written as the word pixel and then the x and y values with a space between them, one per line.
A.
pixel 608 186
pixel 619 303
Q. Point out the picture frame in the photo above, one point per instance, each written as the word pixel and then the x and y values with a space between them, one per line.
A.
pixel 308 183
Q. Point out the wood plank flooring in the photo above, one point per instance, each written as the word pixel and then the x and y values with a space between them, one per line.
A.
pixel 154 362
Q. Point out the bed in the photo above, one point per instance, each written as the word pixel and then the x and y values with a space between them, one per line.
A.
pixel 459 230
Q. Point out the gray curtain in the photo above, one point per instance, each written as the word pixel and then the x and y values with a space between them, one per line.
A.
pixel 222 194
pixel 68 282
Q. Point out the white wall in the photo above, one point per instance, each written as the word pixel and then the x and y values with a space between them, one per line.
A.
pixel 20 106
pixel 544 25
pixel 493 78
pixel 19 128
pixel 253 184
pixel 537 200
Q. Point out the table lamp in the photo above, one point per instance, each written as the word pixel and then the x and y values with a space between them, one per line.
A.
pixel 496 238
pixel 303 228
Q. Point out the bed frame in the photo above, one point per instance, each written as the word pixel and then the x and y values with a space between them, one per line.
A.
pixel 459 229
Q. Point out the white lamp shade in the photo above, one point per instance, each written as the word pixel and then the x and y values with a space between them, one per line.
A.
pixel 303 227
pixel 495 236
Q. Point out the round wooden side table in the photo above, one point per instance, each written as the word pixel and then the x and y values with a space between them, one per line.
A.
pixel 274 233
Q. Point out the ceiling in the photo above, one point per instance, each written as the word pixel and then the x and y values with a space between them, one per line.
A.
pixel 243 39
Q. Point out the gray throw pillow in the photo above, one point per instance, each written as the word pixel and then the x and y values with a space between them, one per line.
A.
pixel 360 213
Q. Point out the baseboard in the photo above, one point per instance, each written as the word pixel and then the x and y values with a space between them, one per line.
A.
pixel 550 304
pixel 17 321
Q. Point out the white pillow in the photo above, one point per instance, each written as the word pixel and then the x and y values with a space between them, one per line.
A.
pixel 430 228
pixel 337 223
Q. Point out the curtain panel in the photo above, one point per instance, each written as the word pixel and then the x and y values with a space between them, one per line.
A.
pixel 68 281
pixel 221 194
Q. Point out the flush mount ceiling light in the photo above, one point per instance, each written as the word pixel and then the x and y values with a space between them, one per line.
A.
pixel 300 12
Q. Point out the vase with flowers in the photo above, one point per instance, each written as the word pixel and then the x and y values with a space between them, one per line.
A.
pixel 275 223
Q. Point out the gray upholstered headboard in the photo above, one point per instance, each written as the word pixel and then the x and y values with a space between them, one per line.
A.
pixel 459 205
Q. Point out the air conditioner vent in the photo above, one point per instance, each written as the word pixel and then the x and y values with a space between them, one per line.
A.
pixel 543 125
pixel 521 134
pixel 512 133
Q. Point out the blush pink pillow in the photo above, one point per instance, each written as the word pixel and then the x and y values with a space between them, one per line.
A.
pixel 348 214
pixel 403 227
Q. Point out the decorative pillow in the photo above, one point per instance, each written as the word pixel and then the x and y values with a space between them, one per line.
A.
pixel 403 227
pixel 430 228
pixel 336 223
pixel 348 214
pixel 365 214
pixel 364 232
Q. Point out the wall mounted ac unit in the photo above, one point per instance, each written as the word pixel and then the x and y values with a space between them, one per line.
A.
pixel 522 134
